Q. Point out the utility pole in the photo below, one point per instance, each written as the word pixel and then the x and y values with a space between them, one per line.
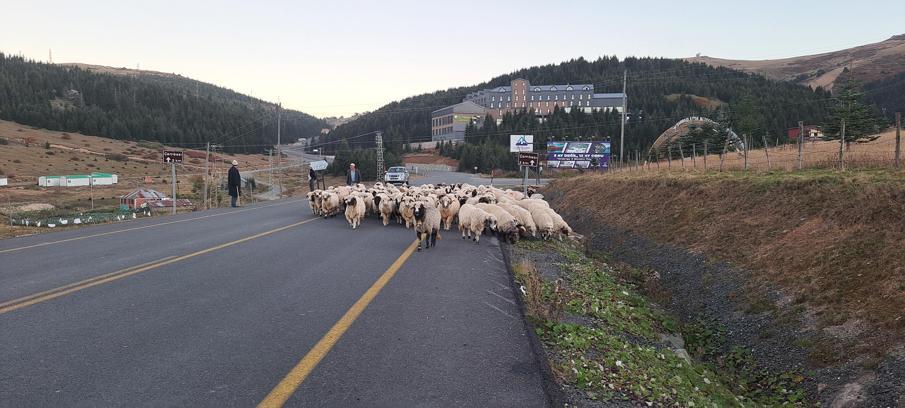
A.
pixel 207 159
pixel 279 148
pixel 378 140
pixel 622 129
pixel 898 139
pixel 800 141
pixel 173 174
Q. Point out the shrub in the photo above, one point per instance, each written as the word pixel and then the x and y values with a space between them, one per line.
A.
pixel 3 141
pixel 118 157
pixel 47 145
pixel 66 136
pixel 49 153
pixel 73 158
pixel 17 161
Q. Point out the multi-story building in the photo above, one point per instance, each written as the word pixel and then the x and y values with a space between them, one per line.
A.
pixel 449 123
pixel 521 95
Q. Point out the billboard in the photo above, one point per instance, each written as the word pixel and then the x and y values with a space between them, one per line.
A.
pixel 573 155
pixel 521 143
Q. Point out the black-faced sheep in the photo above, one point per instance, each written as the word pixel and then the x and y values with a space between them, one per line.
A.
pixel 427 224
pixel 355 209
pixel 385 207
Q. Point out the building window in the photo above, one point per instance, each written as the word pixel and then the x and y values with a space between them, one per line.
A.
pixel 536 89
pixel 553 88
pixel 568 88
pixel 581 96
pixel 508 99
pixel 548 104
pixel 555 97
pixel 493 98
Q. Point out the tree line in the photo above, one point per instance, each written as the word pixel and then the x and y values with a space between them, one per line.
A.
pixel 169 109
pixel 660 92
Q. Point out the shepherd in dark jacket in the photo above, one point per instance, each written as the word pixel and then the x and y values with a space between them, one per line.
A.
pixel 312 179
pixel 234 183
pixel 354 176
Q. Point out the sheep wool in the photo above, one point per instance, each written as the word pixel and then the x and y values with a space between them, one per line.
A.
pixel 449 209
pixel 355 210
pixel 427 224
pixel 473 221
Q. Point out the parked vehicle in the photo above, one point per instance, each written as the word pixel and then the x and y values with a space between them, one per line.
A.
pixel 396 175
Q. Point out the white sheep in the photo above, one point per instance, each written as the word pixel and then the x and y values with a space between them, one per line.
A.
pixel 449 208
pixel 543 221
pixel 508 227
pixel 523 216
pixel 330 203
pixel 386 207
pixel 473 221
pixel 406 210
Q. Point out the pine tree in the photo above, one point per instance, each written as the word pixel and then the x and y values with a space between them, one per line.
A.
pixel 861 125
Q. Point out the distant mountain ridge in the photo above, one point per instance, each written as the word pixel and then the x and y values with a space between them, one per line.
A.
pixel 661 91
pixel 868 63
pixel 122 103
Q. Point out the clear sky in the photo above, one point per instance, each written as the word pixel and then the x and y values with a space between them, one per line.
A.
pixel 339 57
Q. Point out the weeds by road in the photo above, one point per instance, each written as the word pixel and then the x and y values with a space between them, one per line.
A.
pixel 607 344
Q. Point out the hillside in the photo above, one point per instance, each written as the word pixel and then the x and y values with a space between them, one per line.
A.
pixel 869 62
pixel 796 271
pixel 654 88
pixel 125 104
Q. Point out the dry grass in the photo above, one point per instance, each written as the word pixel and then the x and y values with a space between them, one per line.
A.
pixel 24 158
pixel 542 301
pixel 832 240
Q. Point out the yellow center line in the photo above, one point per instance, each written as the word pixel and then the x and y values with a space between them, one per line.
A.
pixel 140 228
pixel 82 282
pixel 281 393
pixel 75 287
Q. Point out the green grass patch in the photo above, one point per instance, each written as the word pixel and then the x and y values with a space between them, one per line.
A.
pixel 619 353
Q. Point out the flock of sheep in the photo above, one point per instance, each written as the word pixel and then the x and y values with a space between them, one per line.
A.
pixel 476 209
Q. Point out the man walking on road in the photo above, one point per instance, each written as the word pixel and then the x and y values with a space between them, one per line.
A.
pixel 312 179
pixel 354 176
pixel 234 183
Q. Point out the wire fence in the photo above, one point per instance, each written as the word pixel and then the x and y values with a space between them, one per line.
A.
pixel 881 153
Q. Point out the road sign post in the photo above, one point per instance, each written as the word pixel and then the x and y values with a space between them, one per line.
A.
pixel 526 160
pixel 172 157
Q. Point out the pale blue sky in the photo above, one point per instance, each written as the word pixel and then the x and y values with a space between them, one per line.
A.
pixel 340 57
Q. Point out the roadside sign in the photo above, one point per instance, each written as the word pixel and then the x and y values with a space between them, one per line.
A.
pixel 172 156
pixel 318 165
pixel 521 143
pixel 528 159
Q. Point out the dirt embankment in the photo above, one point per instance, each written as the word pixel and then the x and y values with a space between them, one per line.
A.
pixel 812 261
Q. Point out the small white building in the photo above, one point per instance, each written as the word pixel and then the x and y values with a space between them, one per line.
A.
pixel 3 181
pixel 78 180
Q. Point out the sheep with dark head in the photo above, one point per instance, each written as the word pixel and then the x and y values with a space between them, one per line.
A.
pixel 427 224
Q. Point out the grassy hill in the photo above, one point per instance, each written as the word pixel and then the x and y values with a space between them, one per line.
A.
pixel 822 288
pixel 870 62
pixel 141 105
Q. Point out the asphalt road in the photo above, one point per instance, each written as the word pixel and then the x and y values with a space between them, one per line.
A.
pixel 450 177
pixel 235 307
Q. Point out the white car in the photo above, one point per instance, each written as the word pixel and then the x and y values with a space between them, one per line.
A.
pixel 396 175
